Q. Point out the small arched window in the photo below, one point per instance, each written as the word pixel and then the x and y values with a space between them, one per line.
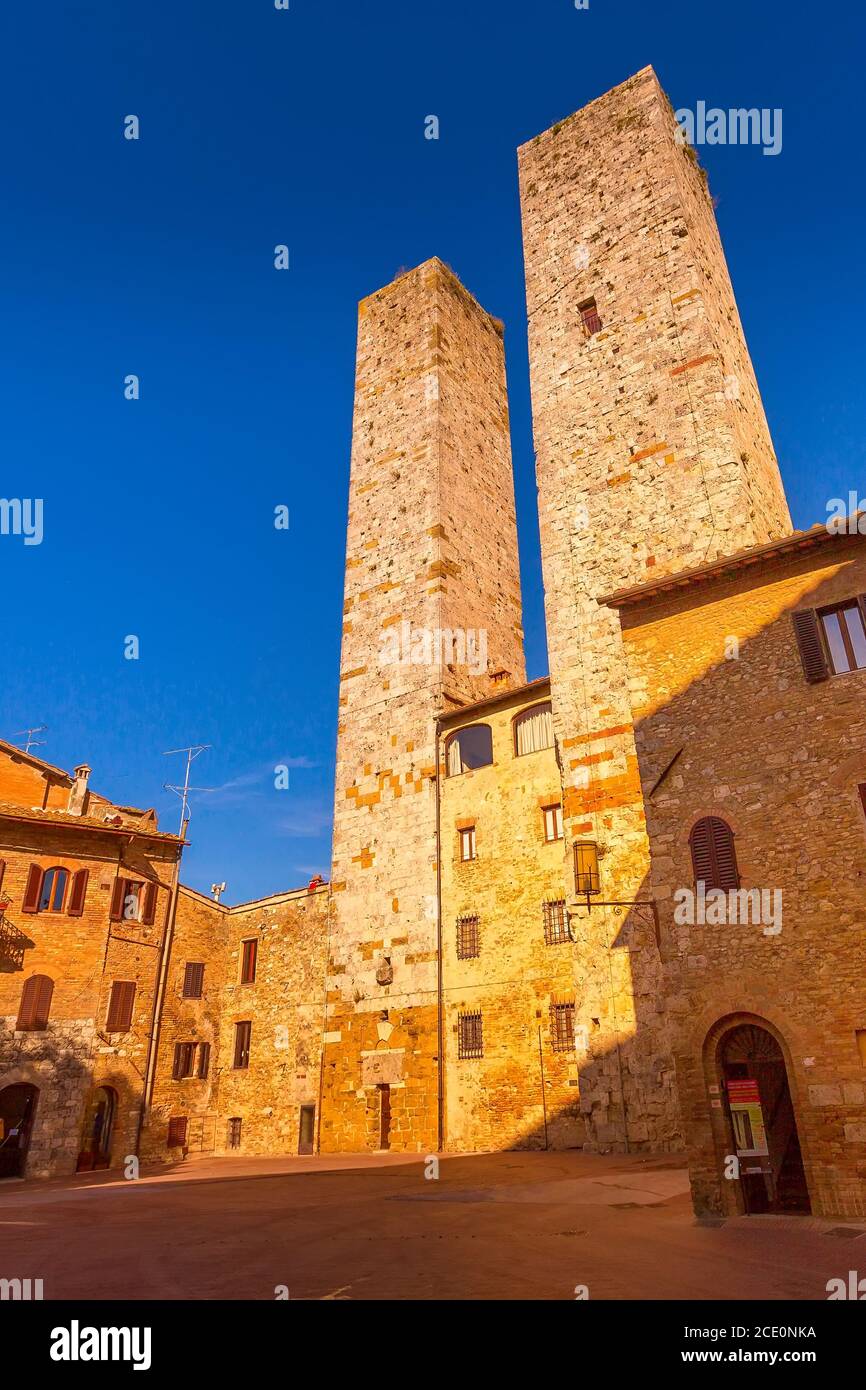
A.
pixel 533 729
pixel 35 1004
pixel 714 858
pixel 469 748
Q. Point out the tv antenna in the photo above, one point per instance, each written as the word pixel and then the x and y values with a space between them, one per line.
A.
pixel 192 752
pixel 31 741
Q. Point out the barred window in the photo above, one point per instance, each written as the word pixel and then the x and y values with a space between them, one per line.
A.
pixel 468 942
pixel 562 1027
pixel 234 1135
pixel 470 1038
pixel 555 923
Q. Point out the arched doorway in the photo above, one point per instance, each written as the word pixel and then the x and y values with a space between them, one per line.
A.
pixel 96 1132
pixel 17 1109
pixel 761 1113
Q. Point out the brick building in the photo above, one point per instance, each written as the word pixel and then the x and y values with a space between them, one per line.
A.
pixel 86 892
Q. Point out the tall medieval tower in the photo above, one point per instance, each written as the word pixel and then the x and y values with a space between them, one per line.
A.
pixel 432 621
pixel 653 455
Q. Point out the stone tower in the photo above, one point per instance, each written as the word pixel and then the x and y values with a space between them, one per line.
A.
pixel 432 621
pixel 653 455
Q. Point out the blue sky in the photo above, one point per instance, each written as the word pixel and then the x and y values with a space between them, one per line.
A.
pixel 306 127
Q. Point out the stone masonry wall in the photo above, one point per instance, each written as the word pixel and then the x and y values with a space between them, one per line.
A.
pixel 781 761
pixel 431 547
pixel 495 1101
pixel 648 460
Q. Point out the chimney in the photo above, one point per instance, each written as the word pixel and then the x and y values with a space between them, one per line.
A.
pixel 78 790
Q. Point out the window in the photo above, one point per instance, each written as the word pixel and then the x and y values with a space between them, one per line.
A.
pixel 203 1061
pixel 586 876
pixel 184 1057
pixel 242 1045
pixel 35 1004
pixel 176 1132
pixel 832 641
pixel 53 890
pixel 845 636
pixel 589 317
pixel 714 858
pixel 533 729
pixel 469 748
pixel 134 901
pixel 862 790
pixel 562 1027
pixel 193 979
pixel 235 1132
pixel 120 1004
pixel 470 1038
pixel 249 953
pixel 467 843
pixel 552 823
pixel 467 937
pixel 555 923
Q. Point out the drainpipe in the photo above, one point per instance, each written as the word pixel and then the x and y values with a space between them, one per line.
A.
pixel 159 994
pixel 440 1021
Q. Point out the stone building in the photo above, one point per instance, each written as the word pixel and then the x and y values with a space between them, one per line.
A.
pixel 748 680
pixel 84 904
pixel 121 1014
pixel 241 1027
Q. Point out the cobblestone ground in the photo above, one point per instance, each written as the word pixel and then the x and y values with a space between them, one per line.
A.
pixel 499 1226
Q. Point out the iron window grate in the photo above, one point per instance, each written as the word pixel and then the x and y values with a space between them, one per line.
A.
pixel 562 1027
pixel 470 1036
pixel 468 937
pixel 555 922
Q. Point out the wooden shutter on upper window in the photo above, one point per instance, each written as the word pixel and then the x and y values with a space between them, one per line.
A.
pixel 33 891
pixel 193 979
pixel 2 872
pixel 714 858
pixel 76 896
pixel 808 633
pixel 35 1004
pixel 117 899
pixel 149 912
pixel 120 1007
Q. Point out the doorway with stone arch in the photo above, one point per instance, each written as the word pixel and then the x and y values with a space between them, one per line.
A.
pixel 17 1111
pixel 762 1125
pixel 96 1134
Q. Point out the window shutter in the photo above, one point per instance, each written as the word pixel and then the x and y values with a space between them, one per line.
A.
pixel 76 897
pixel 120 1004
pixel 714 858
pixel 35 1004
pixel 2 872
pixel 176 1131
pixel 812 655
pixel 193 979
pixel 177 1069
pixel 203 1060
pixel 33 891
pixel 149 904
pixel 117 899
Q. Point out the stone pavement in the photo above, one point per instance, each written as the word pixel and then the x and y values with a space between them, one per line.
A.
pixel 499 1226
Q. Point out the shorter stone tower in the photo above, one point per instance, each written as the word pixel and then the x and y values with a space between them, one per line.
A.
pixel 432 621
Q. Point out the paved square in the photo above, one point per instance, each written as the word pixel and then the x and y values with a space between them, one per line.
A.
pixel 499 1226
